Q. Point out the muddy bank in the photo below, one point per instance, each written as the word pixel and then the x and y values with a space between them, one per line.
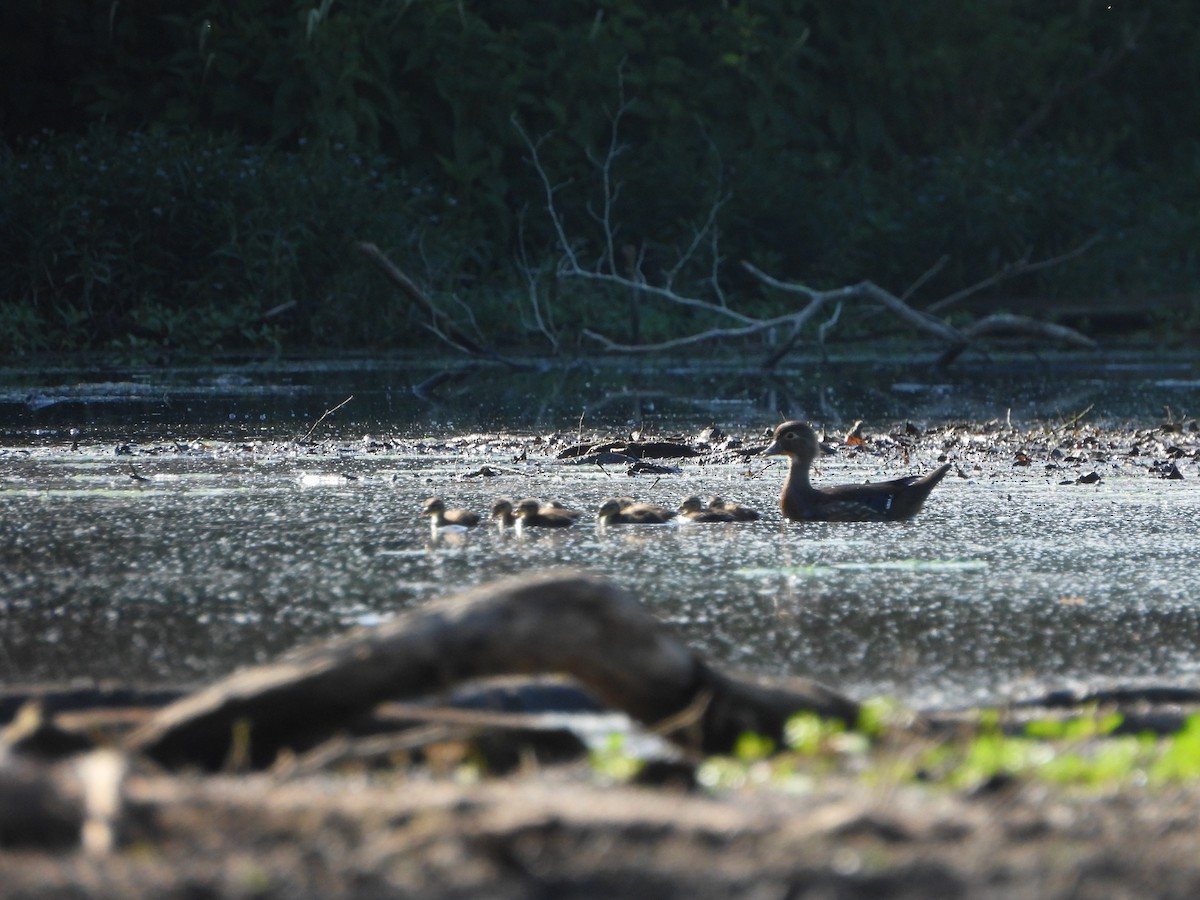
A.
pixel 554 834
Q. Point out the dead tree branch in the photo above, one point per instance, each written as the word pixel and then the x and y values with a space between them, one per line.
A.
pixel 570 623
pixel 439 323
pixel 1016 326
pixel 625 272
pixel 1018 267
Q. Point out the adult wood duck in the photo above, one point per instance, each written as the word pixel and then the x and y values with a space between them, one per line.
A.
pixel 884 501
pixel 532 513
pixel 440 517
pixel 694 510
pixel 614 512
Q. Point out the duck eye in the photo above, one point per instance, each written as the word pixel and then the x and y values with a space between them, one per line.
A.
pixel 790 436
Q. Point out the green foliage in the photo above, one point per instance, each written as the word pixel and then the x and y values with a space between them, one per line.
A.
pixel 1180 759
pixel 147 242
pixel 861 140
pixel 753 747
pixel 1084 750
pixel 613 761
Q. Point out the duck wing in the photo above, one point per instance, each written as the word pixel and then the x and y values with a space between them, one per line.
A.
pixel 893 500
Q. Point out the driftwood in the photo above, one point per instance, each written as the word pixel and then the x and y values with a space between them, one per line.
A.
pixel 566 622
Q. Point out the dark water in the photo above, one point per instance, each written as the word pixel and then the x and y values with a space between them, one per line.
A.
pixel 285 399
pixel 226 557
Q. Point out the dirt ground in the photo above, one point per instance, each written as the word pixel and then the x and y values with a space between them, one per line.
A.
pixel 557 833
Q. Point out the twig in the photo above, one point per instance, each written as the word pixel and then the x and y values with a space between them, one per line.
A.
pixel 929 273
pixel 1071 422
pixel 325 414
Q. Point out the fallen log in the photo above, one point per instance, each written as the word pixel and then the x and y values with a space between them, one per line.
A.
pixel 79 801
pixel 564 622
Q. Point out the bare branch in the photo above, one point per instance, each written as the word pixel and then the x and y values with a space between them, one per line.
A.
pixel 915 317
pixel 827 326
pixel 1006 323
pixel 439 323
pixel 929 273
pixel 713 334
pixel 1107 61
pixel 1018 326
pixel 716 259
pixel 557 622
pixel 1012 270
pixel 653 289
pixel 789 286
pixel 543 323
pixel 623 267
pixel 610 193
pixel 707 231
pixel 559 229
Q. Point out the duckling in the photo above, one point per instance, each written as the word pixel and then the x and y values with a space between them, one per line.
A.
pixel 556 506
pixel 440 517
pixel 694 510
pixel 884 501
pixel 502 512
pixel 612 513
pixel 532 514
pixel 636 507
pixel 739 512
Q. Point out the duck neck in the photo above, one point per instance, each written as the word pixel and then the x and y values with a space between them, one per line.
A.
pixel 797 480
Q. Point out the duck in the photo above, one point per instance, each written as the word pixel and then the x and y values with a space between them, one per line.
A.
pixel 440 517
pixel 638 508
pixel 884 501
pixel 695 510
pixel 532 513
pixel 740 513
pixel 556 506
pixel 502 512
pixel 626 511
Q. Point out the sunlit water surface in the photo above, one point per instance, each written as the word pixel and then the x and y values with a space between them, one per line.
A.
pixel 1003 584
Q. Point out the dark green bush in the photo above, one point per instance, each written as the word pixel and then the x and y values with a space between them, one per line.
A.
pixel 153 240
pixel 854 140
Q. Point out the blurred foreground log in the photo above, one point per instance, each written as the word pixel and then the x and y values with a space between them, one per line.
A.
pixel 559 622
pixel 80 801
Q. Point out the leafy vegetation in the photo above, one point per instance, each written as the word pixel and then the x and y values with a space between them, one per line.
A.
pixel 845 141
pixel 1085 750
pixel 150 242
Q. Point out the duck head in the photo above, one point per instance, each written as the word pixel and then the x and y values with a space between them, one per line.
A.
pixel 795 439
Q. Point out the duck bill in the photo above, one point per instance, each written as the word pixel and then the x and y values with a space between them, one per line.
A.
pixel 772 450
